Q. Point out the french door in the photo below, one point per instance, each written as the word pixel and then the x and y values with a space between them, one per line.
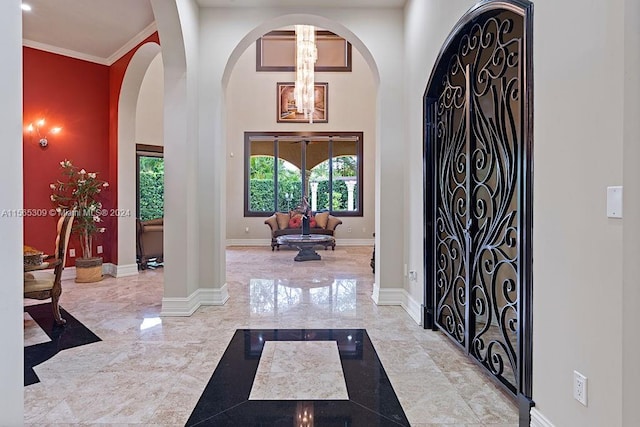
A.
pixel 478 139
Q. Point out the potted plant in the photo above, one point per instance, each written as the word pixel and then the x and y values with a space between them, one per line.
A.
pixel 80 191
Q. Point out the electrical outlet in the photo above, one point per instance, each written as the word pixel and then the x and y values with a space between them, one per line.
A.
pixel 72 252
pixel 246 229
pixel 413 275
pixel 580 387
pixel 99 249
pixel 349 230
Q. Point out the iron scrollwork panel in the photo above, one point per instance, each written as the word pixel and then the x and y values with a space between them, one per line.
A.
pixel 451 217
pixel 496 135
pixel 477 234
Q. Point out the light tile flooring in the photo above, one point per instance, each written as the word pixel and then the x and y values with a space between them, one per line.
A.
pixel 299 370
pixel 33 334
pixel 151 371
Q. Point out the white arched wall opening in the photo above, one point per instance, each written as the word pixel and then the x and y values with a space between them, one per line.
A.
pixel 200 47
pixel 287 20
pixel 337 28
pixel 127 104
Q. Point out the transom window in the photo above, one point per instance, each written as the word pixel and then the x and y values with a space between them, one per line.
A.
pixel 281 167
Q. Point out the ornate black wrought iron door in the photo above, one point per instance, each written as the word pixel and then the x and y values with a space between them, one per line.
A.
pixel 478 199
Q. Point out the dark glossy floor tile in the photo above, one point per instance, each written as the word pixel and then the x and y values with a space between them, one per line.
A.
pixel 72 334
pixel 372 400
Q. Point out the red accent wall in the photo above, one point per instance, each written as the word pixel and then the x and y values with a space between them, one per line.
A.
pixel 82 98
pixel 74 95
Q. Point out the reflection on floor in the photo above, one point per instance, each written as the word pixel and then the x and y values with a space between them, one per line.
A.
pixel 152 370
pixel 370 399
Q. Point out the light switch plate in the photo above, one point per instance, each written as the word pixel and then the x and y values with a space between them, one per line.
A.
pixel 614 202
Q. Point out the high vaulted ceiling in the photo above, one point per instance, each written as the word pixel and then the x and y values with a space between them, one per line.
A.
pixel 94 30
pixel 103 30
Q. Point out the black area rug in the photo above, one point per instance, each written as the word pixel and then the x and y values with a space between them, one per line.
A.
pixel 72 334
pixel 372 400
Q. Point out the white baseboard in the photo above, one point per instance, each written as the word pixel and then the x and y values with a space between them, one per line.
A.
pixel 249 242
pixel 184 307
pixel 267 242
pixel 397 296
pixel 414 308
pixel 69 273
pixel 124 270
pixel 109 269
pixel 375 294
pixel 539 420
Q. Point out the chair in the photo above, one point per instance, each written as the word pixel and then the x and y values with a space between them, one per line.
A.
pixel 42 285
pixel 149 242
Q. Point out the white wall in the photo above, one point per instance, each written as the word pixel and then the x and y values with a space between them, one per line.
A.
pixel 577 250
pixel 631 243
pixel 12 359
pixel 427 25
pixel 178 30
pixel 128 109
pixel 150 110
pixel 251 106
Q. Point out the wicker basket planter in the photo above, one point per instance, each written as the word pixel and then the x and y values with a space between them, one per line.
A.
pixel 88 270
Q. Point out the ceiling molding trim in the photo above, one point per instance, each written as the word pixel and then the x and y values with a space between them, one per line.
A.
pixel 136 40
pixel 64 52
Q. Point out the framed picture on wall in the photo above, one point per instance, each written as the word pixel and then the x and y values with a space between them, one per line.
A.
pixel 287 109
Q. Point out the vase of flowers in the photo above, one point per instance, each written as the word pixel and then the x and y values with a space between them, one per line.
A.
pixel 80 191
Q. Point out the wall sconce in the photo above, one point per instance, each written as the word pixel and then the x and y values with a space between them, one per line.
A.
pixel 42 136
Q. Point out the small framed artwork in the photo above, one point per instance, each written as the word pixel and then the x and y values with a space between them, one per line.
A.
pixel 287 109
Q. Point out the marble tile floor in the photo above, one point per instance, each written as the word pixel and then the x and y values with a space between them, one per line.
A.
pixel 299 370
pixel 257 357
pixel 44 340
pixel 149 370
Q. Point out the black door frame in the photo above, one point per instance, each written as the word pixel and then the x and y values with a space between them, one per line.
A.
pixel 524 8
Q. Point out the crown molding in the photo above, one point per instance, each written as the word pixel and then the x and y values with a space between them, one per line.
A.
pixel 137 39
pixel 64 52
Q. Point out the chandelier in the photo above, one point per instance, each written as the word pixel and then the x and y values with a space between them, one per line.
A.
pixel 306 55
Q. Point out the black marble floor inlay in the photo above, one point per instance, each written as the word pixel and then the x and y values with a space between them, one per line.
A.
pixel 72 334
pixel 372 400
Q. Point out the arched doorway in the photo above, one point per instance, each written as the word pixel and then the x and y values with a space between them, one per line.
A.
pixel 251 99
pixel 248 92
pixel 478 185
pixel 127 108
pixel 197 71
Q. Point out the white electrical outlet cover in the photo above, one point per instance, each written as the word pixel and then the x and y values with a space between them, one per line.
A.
pixel 614 202
pixel 580 387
